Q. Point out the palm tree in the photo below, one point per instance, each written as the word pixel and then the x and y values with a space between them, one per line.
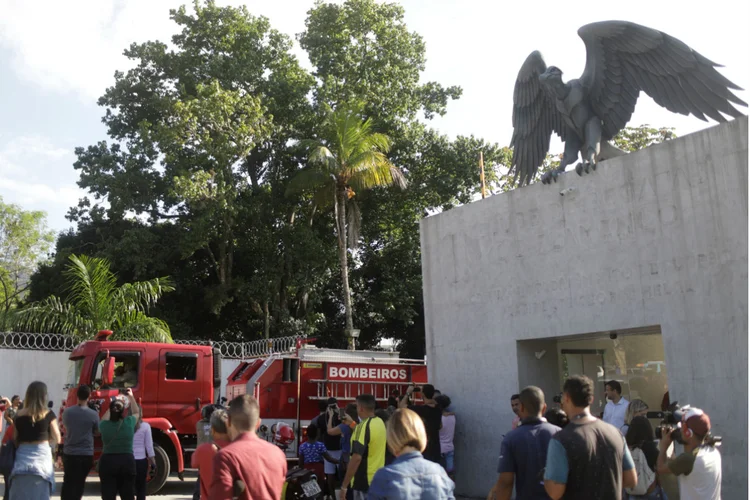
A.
pixel 349 157
pixel 95 302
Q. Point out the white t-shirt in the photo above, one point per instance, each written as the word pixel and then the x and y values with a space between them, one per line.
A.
pixel 703 482
pixel 614 413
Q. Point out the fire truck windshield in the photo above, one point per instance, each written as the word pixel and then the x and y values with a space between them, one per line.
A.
pixel 74 371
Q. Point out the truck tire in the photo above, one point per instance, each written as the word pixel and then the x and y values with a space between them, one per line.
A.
pixel 157 482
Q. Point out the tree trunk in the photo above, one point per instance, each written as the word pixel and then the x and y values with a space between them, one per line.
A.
pixel 343 257
pixel 266 320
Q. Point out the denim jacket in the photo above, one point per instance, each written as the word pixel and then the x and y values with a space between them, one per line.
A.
pixel 411 477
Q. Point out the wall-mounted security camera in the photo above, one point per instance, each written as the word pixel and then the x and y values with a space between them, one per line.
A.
pixel 567 191
pixel 613 335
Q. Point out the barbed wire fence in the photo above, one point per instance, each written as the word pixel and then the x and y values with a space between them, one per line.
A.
pixel 229 350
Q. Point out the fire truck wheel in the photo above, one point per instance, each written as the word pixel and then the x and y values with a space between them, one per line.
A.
pixel 157 482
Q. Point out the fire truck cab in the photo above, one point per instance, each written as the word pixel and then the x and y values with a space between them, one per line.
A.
pixel 170 382
pixel 289 386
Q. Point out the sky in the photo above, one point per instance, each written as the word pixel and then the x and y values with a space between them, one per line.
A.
pixel 57 58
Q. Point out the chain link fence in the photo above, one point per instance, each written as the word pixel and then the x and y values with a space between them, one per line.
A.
pixel 229 350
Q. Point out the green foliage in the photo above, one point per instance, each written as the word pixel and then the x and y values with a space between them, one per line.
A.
pixel 208 140
pixel 95 303
pixel 350 157
pixel 363 51
pixel 24 242
pixel 634 138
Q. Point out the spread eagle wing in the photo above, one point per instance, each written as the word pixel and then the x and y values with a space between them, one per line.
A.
pixel 623 58
pixel 535 117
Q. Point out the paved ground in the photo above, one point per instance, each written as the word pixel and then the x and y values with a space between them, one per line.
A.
pixel 173 490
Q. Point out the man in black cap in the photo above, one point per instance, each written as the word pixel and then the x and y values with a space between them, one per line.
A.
pixel 332 443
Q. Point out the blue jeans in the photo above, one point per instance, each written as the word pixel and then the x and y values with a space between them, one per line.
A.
pixel 446 460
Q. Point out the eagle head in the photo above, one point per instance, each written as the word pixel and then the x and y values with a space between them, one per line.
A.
pixel 552 76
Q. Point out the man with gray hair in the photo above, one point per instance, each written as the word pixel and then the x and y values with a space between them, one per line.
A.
pixel 523 452
pixel 203 457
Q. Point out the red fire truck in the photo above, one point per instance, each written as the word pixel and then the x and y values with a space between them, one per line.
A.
pixel 290 386
pixel 173 382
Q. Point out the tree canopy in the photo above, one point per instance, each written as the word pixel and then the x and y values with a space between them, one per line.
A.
pixel 94 302
pixel 24 242
pixel 208 139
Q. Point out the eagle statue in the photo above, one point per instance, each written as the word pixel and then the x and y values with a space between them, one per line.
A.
pixel 622 59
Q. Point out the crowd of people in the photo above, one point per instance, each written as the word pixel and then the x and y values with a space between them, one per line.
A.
pixel 570 453
pixel 401 451
pixel 35 436
pixel 404 451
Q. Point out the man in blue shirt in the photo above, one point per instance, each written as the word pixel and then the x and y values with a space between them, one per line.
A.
pixel 523 452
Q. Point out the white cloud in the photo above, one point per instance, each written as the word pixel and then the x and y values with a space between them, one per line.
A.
pixel 30 195
pixel 77 46
pixel 36 174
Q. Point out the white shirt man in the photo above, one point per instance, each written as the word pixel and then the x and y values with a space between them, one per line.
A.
pixel 698 468
pixel 617 406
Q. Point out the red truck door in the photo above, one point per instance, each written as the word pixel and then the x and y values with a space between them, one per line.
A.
pixel 181 392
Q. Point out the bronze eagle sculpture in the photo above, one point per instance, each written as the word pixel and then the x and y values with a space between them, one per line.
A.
pixel 622 59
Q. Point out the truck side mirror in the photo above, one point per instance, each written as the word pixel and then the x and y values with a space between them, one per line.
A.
pixel 108 372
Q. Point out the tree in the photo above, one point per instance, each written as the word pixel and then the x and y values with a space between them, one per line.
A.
pixel 95 302
pixel 196 129
pixel 24 241
pixel 634 138
pixel 363 51
pixel 349 157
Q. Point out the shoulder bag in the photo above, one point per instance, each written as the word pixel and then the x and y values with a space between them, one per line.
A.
pixel 7 458
pixel 104 448
pixel 646 476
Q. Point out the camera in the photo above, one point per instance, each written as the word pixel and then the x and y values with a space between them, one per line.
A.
pixel 557 398
pixel 95 404
pixel 671 418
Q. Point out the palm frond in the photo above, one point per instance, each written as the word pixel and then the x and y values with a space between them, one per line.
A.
pixel 52 315
pixel 137 326
pixel 375 142
pixel 325 197
pixel 90 285
pixel 141 295
pixel 353 223
pixel 375 173
pixel 322 158
pixel 308 179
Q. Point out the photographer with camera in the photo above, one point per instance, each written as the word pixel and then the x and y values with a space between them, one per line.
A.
pixel 432 417
pixel 698 468
pixel 81 424
pixel 332 443
pixel 117 463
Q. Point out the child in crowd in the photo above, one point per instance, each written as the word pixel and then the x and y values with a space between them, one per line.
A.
pixel 311 454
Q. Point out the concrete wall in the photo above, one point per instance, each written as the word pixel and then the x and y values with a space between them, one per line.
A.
pixel 657 237
pixel 20 367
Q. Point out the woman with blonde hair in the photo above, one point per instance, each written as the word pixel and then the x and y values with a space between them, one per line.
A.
pixel 410 476
pixel 636 408
pixel 35 433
